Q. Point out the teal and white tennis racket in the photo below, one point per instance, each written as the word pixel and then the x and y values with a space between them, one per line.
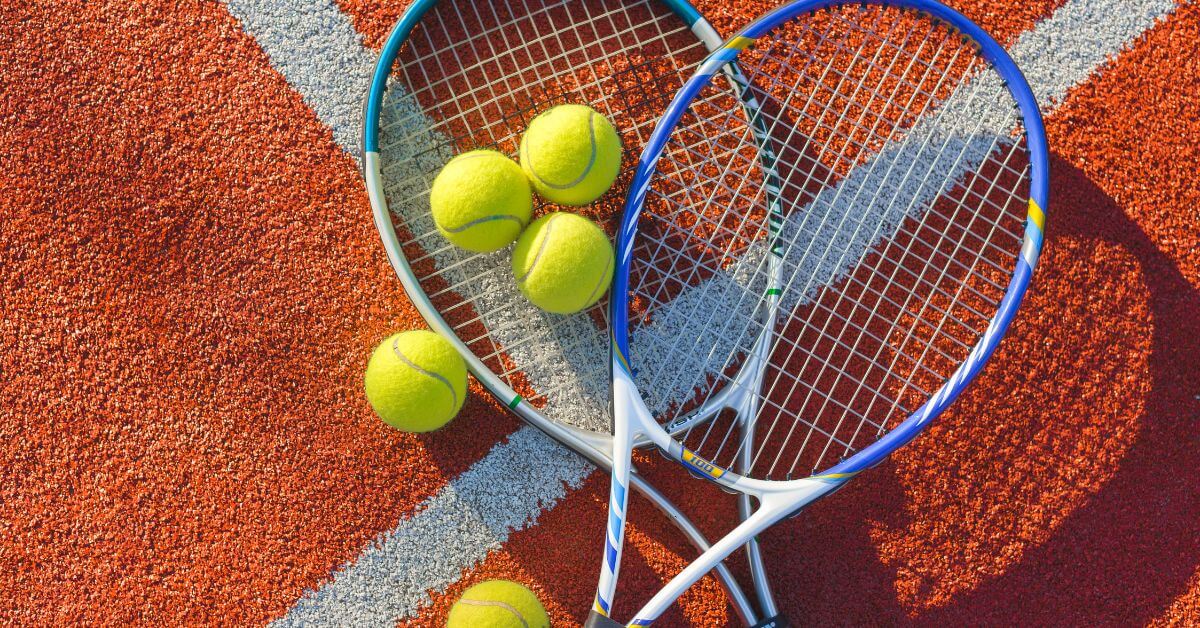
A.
pixel 457 76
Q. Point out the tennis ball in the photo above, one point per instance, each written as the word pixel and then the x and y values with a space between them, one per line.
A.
pixel 416 381
pixel 481 201
pixel 563 263
pixel 498 604
pixel 572 154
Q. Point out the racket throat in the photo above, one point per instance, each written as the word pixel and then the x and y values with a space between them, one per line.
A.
pixel 772 508
pixel 742 394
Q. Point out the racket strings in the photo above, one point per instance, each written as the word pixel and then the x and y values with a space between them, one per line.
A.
pixel 660 240
pixel 471 75
pixel 888 276
pixel 508 67
pixel 924 343
pixel 733 116
pixel 892 404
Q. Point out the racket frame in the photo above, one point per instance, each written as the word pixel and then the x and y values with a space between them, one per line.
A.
pixel 634 422
pixel 596 448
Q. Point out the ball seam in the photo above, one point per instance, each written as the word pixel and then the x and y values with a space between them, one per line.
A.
pixel 600 281
pixel 508 607
pixel 541 249
pixel 476 154
pixel 438 376
pixel 478 221
pixel 587 169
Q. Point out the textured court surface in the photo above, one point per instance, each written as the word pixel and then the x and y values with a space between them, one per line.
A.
pixel 192 286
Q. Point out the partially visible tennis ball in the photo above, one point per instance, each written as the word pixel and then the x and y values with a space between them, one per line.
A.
pixel 563 263
pixel 498 604
pixel 572 154
pixel 416 381
pixel 481 201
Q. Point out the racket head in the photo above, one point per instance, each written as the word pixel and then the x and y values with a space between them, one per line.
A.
pixel 456 76
pixel 846 334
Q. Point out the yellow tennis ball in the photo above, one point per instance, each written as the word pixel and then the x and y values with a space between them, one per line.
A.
pixel 416 381
pixel 572 154
pixel 498 604
pixel 481 201
pixel 563 263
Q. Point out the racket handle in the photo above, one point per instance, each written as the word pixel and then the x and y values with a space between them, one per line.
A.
pixel 596 620
pixel 778 621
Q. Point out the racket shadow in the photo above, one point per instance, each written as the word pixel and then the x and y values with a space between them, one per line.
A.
pixel 1121 554
pixel 1131 549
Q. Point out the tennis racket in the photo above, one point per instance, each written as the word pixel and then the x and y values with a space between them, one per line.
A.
pixel 910 158
pixel 456 76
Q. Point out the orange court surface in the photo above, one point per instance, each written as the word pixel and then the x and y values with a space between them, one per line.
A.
pixel 192 286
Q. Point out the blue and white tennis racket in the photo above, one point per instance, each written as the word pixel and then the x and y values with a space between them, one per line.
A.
pixel 778 351
pixel 457 75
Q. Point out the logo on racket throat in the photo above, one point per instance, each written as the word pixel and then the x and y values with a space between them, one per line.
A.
pixel 702 465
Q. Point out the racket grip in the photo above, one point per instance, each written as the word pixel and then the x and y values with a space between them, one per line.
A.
pixel 778 621
pixel 596 620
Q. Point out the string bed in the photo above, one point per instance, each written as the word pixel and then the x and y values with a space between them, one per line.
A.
pixel 904 182
pixel 472 75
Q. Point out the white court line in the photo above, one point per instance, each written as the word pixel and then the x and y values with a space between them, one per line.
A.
pixel 450 532
pixel 315 47
pixel 317 50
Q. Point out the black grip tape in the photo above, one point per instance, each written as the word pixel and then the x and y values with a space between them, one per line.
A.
pixel 778 621
pixel 596 620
